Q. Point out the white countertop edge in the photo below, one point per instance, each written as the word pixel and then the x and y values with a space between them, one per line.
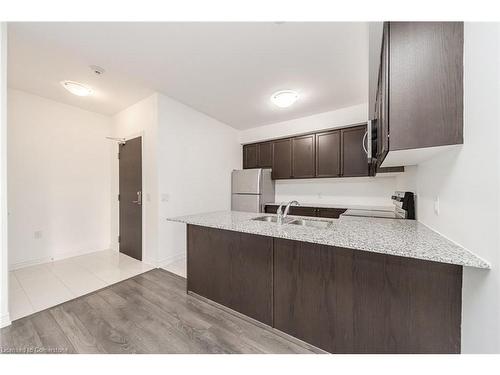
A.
pixel 488 264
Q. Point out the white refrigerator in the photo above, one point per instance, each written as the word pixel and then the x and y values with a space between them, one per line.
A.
pixel 251 189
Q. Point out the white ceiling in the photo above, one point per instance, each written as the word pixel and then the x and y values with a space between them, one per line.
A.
pixel 226 70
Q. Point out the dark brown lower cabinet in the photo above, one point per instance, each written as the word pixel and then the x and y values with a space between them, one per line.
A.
pixel 302 211
pixel 313 295
pixel 340 300
pixel 332 213
pixel 231 268
pixel 349 301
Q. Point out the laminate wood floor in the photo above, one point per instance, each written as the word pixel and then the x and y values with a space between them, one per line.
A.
pixel 149 313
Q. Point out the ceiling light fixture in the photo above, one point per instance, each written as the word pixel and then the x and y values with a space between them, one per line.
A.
pixel 284 98
pixel 76 88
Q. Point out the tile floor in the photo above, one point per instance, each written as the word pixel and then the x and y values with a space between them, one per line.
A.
pixel 178 267
pixel 36 288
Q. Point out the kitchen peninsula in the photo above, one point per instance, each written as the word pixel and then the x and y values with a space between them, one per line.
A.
pixel 348 285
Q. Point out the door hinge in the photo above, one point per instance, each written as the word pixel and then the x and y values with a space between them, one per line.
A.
pixel 118 156
pixel 119 238
pixel 118 197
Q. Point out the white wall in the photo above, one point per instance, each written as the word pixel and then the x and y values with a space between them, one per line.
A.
pixel 4 283
pixel 196 155
pixel 348 191
pixel 365 191
pixel 140 119
pixel 332 119
pixel 59 180
pixel 466 181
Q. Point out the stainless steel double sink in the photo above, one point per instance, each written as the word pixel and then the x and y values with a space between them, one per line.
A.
pixel 321 224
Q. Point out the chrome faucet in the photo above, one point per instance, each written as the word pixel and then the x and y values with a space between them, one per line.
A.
pixel 282 215
pixel 279 212
pixel 287 208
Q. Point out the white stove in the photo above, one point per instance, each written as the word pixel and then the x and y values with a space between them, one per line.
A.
pixel 404 208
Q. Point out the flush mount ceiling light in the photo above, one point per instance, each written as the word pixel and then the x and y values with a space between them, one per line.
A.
pixel 284 98
pixel 76 88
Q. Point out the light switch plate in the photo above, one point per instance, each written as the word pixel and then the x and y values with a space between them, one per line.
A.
pixel 436 205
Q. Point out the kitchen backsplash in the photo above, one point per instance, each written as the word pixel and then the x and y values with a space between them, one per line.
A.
pixel 374 191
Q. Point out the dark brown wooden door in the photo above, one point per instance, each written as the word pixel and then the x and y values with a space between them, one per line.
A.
pixel 303 156
pixel 265 152
pixel 250 156
pixel 130 198
pixel 328 154
pixel 233 269
pixel 354 157
pixel 282 159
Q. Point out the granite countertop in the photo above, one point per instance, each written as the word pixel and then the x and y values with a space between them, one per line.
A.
pixel 406 238
pixel 346 206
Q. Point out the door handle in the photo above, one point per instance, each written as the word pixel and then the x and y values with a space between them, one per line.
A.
pixel 139 198
pixel 364 138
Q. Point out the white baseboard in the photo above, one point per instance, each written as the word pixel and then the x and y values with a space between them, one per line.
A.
pixel 34 262
pixel 5 321
pixel 172 259
pixel 150 262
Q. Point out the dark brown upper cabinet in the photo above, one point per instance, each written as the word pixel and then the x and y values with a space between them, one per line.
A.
pixel 328 157
pixel 257 155
pixel 265 155
pixel 383 102
pixel 250 156
pixel 303 153
pixel 282 159
pixel 375 31
pixel 354 156
pixel 420 93
pixel 333 153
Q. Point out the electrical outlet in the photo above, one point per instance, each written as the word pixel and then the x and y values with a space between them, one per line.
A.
pixel 38 234
pixel 436 205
